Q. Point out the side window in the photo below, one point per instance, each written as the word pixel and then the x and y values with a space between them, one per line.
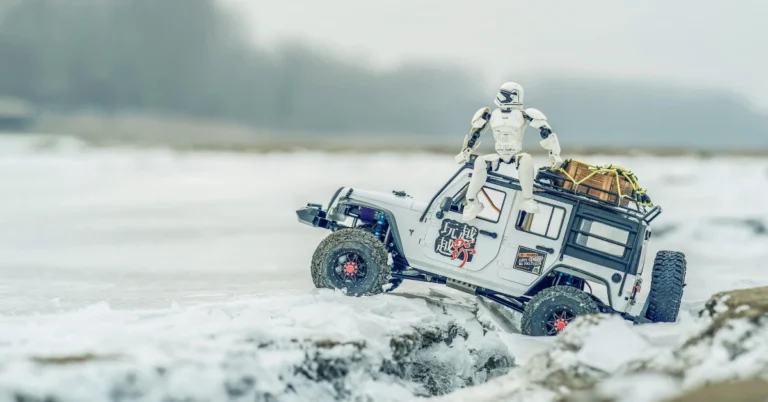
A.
pixel 601 237
pixel 547 222
pixel 492 200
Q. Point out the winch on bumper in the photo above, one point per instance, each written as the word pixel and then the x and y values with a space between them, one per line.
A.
pixel 313 215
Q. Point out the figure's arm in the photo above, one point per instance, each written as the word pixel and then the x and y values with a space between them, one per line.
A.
pixel 472 140
pixel 549 139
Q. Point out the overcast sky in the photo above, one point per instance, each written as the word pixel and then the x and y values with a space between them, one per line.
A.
pixel 712 43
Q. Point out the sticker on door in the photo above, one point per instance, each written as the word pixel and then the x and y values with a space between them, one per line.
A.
pixel 529 260
pixel 457 240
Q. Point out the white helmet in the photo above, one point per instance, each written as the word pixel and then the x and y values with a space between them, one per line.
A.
pixel 510 95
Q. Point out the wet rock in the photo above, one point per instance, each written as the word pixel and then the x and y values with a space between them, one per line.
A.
pixel 737 391
pixel 239 387
pixel 722 359
pixel 72 359
pixel 731 345
pixel 724 307
pixel 417 358
pixel 30 398
pixel 559 368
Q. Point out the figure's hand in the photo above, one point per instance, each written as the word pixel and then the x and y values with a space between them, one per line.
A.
pixel 555 161
pixel 463 156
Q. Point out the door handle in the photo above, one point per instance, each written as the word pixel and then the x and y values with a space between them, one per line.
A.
pixel 492 235
pixel 548 250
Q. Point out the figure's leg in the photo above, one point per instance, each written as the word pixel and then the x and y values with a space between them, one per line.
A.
pixel 479 175
pixel 525 174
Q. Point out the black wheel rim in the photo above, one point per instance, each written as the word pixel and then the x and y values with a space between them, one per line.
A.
pixel 557 320
pixel 349 268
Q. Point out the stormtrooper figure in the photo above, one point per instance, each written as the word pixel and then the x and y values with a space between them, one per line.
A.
pixel 508 123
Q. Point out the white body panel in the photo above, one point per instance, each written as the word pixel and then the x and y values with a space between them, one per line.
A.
pixel 406 212
pixel 486 248
pixel 493 265
pixel 516 238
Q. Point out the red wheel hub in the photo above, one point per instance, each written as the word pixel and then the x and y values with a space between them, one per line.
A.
pixel 560 324
pixel 350 268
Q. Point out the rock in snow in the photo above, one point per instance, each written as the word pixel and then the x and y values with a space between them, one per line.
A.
pixel 329 347
pixel 321 347
pixel 603 358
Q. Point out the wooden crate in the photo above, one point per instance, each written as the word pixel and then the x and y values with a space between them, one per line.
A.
pixel 626 190
pixel 602 186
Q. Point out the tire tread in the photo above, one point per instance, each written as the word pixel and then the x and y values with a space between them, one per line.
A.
pixel 667 282
pixel 588 304
pixel 360 238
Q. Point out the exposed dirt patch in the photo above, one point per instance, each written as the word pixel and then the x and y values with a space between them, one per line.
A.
pixel 738 391
pixel 73 359
pixel 749 304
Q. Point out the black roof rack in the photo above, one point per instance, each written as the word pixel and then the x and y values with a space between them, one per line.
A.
pixel 544 183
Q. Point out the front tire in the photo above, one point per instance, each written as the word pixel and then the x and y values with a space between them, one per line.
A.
pixel 667 284
pixel 552 309
pixel 351 260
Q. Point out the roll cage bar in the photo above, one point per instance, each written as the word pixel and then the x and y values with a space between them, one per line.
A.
pixel 543 183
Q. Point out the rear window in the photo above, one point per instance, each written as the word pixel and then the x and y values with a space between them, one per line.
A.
pixel 602 237
pixel 547 222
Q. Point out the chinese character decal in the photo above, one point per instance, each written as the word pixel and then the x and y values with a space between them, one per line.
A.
pixel 457 240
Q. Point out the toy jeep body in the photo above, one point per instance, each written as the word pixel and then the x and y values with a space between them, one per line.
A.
pixel 544 265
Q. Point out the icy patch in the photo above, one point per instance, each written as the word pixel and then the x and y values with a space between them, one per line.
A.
pixel 576 360
pixel 321 347
pixel 645 387
pixel 604 358
pixel 611 344
pixel 25 143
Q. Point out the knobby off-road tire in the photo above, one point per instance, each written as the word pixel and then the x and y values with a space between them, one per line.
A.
pixel 558 301
pixel 667 285
pixel 329 263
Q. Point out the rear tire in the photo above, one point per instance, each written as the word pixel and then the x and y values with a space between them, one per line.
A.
pixel 667 284
pixel 550 311
pixel 352 260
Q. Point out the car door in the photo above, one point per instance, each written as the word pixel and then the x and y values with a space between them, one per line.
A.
pixel 534 242
pixel 460 247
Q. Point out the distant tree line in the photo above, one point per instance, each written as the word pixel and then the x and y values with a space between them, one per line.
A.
pixel 192 57
pixel 195 58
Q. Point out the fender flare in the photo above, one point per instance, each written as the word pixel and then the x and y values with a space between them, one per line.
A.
pixel 567 269
pixel 390 220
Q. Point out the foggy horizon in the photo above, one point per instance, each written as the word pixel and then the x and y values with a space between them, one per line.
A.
pixel 123 58
pixel 655 41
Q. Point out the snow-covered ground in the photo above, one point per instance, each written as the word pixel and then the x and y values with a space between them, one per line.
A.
pixel 149 273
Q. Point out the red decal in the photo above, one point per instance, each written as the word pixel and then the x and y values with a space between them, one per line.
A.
pixel 462 247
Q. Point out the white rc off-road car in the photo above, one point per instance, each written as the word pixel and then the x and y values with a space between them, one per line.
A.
pixel 544 265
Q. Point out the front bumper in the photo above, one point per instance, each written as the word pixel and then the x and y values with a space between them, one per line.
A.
pixel 313 215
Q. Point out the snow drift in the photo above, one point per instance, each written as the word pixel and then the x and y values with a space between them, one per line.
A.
pixel 144 229
pixel 604 358
pixel 324 347
pixel 331 347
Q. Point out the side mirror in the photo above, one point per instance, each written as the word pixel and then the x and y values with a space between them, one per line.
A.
pixel 445 204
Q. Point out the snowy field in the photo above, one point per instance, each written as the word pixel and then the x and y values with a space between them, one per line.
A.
pixel 150 274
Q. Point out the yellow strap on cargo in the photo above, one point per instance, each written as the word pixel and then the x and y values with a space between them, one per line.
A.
pixel 615 170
